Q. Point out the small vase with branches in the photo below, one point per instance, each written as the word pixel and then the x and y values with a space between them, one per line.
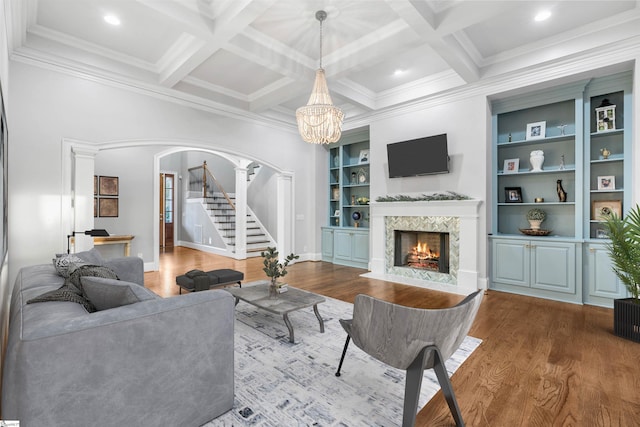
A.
pixel 274 269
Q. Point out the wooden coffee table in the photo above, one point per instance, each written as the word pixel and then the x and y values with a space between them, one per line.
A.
pixel 257 294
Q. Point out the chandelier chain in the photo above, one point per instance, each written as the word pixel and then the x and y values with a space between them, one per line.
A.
pixel 321 43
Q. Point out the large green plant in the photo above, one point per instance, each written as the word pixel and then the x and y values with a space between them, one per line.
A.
pixel 624 248
pixel 272 265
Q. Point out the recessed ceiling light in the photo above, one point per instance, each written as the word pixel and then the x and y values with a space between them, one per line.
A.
pixel 543 15
pixel 112 19
pixel 398 72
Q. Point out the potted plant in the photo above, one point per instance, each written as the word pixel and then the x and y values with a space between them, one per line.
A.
pixel 535 217
pixel 275 269
pixel 624 250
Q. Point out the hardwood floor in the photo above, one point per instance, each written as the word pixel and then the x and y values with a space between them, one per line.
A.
pixel 541 363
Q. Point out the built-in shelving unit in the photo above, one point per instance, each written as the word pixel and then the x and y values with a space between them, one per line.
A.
pixel 574 154
pixel 345 238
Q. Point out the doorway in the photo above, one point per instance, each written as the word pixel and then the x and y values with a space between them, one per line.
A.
pixel 167 209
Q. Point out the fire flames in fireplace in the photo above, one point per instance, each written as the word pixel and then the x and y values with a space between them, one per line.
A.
pixel 422 250
pixel 421 256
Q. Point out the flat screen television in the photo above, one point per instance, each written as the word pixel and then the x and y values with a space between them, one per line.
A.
pixel 422 156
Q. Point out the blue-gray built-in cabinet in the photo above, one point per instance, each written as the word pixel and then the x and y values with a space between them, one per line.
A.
pixel 345 238
pixel 584 132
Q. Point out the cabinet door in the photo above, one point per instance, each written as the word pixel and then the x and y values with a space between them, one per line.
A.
pixel 343 242
pixel 553 266
pixel 360 249
pixel 603 282
pixel 511 262
pixel 327 244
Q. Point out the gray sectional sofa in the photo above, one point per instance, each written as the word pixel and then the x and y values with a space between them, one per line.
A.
pixel 154 361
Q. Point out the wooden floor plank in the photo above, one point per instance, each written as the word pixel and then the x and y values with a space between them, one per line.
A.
pixel 541 363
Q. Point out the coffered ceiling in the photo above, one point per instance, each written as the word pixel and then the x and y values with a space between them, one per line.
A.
pixel 257 58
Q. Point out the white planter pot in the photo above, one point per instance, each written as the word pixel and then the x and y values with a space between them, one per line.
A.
pixel 535 224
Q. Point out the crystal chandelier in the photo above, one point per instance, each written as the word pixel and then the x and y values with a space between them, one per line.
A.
pixel 319 121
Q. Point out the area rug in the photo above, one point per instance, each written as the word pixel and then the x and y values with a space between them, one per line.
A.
pixel 278 383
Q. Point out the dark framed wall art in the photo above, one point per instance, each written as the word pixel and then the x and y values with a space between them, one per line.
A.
pixel 105 200
pixel 108 207
pixel 108 185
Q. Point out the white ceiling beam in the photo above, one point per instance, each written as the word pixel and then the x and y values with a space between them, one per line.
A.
pixel 233 20
pixel 467 13
pixel 276 97
pixel 423 21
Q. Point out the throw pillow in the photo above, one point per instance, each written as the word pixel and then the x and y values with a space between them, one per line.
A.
pixel 89 270
pixel 108 293
pixel 64 261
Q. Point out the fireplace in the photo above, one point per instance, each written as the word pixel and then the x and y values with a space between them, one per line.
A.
pixel 424 250
pixel 457 220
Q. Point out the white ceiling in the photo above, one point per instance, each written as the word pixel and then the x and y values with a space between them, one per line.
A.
pixel 257 58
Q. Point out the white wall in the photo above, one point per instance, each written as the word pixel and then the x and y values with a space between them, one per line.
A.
pixel 50 106
pixel 134 169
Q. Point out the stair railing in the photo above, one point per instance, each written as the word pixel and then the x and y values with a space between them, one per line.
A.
pixel 206 175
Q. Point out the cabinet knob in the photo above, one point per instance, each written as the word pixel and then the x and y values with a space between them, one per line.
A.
pixel 592 250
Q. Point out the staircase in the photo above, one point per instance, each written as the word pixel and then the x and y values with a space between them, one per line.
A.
pixel 221 209
pixel 223 217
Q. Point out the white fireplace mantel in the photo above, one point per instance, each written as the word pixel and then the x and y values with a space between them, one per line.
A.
pixel 464 212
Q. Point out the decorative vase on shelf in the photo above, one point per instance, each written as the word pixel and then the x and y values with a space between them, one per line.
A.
pixel 605 153
pixel 536 159
pixel 562 195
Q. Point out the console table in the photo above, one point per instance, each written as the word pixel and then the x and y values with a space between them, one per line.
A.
pixel 124 239
pixel 115 240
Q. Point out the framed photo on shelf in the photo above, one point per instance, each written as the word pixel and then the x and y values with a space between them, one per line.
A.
pixel 364 156
pixel 607 182
pixel 601 233
pixel 511 166
pixel 536 130
pixel 605 116
pixel 337 212
pixel 335 193
pixel 601 208
pixel 513 195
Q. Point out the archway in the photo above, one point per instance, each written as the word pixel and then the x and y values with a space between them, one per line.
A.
pixel 79 167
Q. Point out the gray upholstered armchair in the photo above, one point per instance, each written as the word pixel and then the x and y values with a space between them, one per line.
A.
pixel 413 339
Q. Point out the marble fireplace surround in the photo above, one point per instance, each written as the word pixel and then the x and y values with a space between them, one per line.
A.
pixel 459 218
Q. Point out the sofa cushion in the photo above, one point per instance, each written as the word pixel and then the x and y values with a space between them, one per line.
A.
pixel 108 293
pixel 92 256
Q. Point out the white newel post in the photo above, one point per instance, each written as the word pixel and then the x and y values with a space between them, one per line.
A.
pixel 285 222
pixel 241 213
pixel 82 199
